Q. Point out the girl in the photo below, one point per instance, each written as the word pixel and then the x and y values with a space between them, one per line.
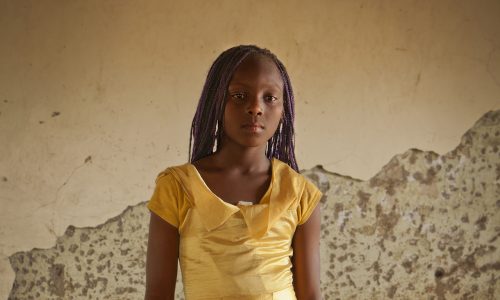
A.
pixel 241 220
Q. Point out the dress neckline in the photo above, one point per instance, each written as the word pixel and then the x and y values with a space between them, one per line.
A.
pixel 284 192
pixel 261 200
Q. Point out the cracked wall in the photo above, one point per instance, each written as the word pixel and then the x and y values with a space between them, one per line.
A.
pixel 95 98
pixel 426 226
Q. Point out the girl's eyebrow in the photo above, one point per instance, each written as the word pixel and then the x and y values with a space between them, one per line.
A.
pixel 272 85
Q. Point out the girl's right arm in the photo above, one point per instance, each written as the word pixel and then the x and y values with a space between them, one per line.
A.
pixel 162 257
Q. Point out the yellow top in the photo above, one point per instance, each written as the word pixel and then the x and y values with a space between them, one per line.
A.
pixel 234 251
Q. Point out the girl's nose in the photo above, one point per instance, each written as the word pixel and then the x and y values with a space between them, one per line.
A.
pixel 254 106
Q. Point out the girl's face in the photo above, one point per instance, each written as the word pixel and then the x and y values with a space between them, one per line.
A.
pixel 254 104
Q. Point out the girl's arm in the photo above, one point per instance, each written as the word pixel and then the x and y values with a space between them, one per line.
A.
pixel 161 263
pixel 306 258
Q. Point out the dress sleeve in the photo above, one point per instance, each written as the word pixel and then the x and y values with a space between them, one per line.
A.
pixel 308 201
pixel 167 200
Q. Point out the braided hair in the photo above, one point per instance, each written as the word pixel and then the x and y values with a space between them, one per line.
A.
pixel 206 131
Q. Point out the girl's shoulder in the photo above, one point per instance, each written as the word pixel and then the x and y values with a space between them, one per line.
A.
pixel 173 171
pixel 287 175
pixel 304 193
pixel 290 191
pixel 181 177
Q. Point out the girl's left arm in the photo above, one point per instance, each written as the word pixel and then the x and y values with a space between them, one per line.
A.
pixel 306 276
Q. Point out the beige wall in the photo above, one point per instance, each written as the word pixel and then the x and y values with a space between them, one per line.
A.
pixel 372 79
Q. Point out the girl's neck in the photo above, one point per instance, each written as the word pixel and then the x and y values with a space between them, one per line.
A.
pixel 244 160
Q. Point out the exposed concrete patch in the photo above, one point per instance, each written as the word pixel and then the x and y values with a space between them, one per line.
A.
pixel 425 227
pixel 103 262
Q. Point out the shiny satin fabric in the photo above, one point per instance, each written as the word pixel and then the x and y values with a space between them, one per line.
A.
pixel 286 294
pixel 238 251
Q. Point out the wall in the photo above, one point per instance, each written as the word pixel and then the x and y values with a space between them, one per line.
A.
pixel 425 227
pixel 97 97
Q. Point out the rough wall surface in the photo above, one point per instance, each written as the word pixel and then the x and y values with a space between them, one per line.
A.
pixel 425 227
pixel 96 96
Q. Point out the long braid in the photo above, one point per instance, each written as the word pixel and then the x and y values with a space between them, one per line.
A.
pixel 206 128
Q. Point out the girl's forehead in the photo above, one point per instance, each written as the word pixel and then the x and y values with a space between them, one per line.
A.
pixel 256 68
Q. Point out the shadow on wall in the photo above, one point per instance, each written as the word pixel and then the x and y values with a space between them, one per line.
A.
pixel 426 226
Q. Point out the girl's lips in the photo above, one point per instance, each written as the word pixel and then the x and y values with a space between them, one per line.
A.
pixel 253 128
pixel 253 125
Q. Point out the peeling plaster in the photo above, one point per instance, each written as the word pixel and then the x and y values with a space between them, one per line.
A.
pixel 425 226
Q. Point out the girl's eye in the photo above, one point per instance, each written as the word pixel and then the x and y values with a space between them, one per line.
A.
pixel 238 96
pixel 271 98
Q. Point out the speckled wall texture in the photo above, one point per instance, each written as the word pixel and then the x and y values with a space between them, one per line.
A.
pixel 425 227
pixel 97 97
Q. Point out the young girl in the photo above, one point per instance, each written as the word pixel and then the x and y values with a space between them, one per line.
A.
pixel 241 220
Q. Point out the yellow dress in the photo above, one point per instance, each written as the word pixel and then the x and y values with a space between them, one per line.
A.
pixel 234 251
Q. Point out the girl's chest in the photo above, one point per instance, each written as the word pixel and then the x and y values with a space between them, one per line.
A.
pixel 232 189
